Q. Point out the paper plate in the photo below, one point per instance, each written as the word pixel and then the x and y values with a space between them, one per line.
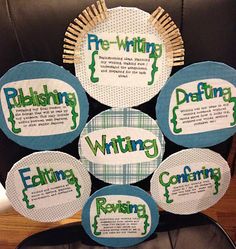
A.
pixel 123 56
pixel 197 106
pixel 120 216
pixel 48 186
pixel 190 181
pixel 121 146
pixel 43 106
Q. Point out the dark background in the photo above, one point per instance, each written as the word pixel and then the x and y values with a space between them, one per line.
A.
pixel 34 30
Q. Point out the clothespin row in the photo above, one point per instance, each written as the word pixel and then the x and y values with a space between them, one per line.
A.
pixel 81 25
pixel 171 36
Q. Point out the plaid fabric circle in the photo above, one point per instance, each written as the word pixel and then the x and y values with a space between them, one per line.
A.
pixel 116 172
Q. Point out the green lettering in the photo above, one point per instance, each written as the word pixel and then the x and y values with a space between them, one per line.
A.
pixel 227 94
pixel 109 208
pixel 152 146
pixel 105 44
pixel 94 148
pixel 99 205
pixel 194 97
pixel 121 43
pixel 180 99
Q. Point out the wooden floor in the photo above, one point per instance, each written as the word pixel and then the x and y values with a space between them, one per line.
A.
pixel 14 228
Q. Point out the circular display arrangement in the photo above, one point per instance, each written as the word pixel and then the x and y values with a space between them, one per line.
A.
pixel 190 181
pixel 197 106
pixel 124 59
pixel 120 216
pixel 121 146
pixel 43 106
pixel 48 186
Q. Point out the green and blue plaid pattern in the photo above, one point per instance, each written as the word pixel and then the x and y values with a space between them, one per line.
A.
pixel 122 173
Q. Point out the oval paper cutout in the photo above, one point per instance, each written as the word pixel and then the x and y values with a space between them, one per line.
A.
pixel 120 216
pixel 197 106
pixel 190 181
pixel 48 186
pixel 124 63
pixel 43 106
pixel 121 146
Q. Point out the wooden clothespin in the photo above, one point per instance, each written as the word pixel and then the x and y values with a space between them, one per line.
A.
pixel 171 36
pixel 81 25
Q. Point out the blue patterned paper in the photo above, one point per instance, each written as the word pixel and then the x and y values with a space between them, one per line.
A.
pixel 41 70
pixel 200 73
pixel 91 215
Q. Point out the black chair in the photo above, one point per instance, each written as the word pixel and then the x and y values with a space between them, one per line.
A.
pixel 34 30
pixel 196 231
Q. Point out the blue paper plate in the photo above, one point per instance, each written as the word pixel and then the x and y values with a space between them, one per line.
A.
pixel 120 216
pixel 197 106
pixel 43 106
